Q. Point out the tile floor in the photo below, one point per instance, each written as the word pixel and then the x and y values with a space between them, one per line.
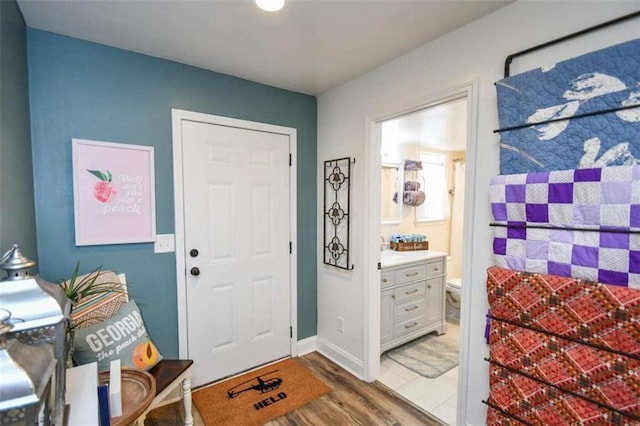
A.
pixel 436 396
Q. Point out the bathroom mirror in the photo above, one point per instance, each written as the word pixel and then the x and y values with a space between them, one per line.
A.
pixel 391 183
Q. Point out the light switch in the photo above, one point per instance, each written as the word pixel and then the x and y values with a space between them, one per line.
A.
pixel 165 243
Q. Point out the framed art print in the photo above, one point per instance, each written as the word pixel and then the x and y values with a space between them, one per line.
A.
pixel 113 193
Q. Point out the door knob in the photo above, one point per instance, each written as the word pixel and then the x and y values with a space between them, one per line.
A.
pixel 195 271
pixel 193 253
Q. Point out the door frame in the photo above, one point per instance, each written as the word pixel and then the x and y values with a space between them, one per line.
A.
pixel 177 117
pixel 371 249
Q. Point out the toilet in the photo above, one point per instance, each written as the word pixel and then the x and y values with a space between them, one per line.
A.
pixel 454 290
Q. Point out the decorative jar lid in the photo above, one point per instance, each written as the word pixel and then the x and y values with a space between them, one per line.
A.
pixel 16 264
pixel 31 301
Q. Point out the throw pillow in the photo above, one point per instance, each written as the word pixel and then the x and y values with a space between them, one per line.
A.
pixel 122 336
pixel 94 309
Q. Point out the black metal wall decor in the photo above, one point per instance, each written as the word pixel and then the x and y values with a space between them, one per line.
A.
pixel 337 196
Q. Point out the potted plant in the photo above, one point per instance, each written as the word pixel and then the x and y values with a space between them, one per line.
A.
pixel 77 288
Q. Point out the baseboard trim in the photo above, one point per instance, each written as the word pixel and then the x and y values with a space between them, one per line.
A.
pixel 308 345
pixel 340 357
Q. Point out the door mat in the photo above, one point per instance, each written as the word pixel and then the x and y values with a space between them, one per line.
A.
pixel 430 355
pixel 256 397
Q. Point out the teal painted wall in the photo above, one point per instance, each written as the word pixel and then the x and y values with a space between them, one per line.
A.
pixel 85 90
pixel 17 212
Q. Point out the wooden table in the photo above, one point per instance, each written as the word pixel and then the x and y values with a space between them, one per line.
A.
pixel 170 375
pixel 138 390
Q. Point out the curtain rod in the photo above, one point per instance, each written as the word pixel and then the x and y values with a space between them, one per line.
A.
pixel 564 390
pixel 568 338
pixel 603 229
pixel 571 117
pixel 505 413
pixel 509 59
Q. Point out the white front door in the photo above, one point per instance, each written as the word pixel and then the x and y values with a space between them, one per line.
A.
pixel 237 251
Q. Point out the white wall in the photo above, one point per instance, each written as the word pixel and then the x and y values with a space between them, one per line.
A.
pixel 478 51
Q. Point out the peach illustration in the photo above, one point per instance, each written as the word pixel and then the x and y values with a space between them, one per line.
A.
pixel 105 189
pixel 145 355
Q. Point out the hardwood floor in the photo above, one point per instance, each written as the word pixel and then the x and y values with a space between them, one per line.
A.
pixel 350 402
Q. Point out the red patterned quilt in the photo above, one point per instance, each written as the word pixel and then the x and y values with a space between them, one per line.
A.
pixel 563 351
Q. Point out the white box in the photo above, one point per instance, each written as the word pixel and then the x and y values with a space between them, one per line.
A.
pixel 82 395
pixel 115 389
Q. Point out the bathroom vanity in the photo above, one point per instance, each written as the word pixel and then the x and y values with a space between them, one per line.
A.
pixel 412 296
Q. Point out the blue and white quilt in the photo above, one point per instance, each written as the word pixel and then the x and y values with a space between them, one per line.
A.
pixel 598 81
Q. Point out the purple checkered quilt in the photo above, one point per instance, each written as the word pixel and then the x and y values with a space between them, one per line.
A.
pixel 582 223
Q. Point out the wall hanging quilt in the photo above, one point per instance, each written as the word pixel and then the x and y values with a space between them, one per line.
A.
pixel 607 79
pixel 562 351
pixel 582 223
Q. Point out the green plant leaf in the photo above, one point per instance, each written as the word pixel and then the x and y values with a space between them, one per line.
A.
pixel 109 175
pixel 99 175
pixel 76 289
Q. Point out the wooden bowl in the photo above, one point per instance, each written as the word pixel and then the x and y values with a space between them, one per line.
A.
pixel 138 390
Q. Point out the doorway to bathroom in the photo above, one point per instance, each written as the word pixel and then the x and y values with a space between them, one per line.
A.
pixel 430 142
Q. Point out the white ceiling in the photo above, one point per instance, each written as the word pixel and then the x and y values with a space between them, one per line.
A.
pixel 310 46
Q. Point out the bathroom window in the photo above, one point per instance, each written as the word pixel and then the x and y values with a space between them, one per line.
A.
pixel 433 177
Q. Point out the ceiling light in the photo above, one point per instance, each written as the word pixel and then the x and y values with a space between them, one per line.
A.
pixel 269 5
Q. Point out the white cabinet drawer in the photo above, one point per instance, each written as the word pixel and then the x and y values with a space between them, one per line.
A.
pixel 411 273
pixel 435 268
pixel 410 292
pixel 410 325
pixel 412 300
pixel 415 307
pixel 386 279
